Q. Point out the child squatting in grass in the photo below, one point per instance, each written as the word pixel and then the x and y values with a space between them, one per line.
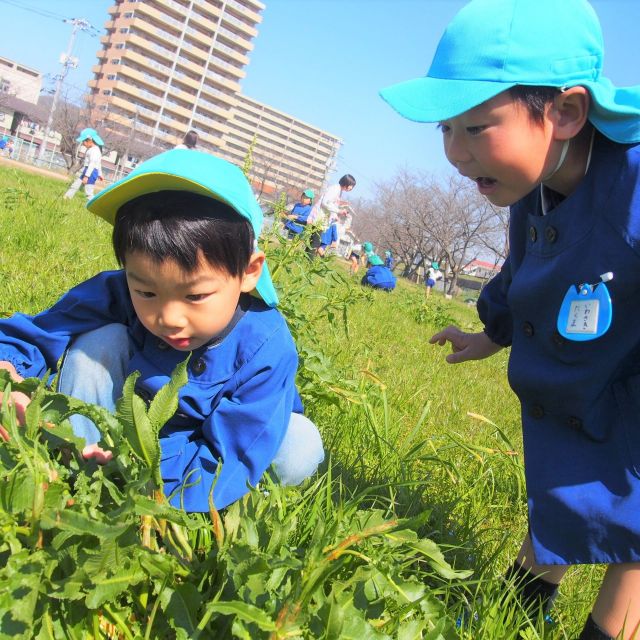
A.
pixel 185 229
pixel 517 89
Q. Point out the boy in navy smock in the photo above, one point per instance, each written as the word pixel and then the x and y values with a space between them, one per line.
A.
pixel 517 89
pixel 297 217
pixel 378 276
pixel 185 230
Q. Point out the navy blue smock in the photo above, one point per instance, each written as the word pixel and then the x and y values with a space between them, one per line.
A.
pixel 236 405
pixel 580 400
pixel 301 211
pixel 379 277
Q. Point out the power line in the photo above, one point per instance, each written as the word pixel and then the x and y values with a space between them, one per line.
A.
pixel 36 10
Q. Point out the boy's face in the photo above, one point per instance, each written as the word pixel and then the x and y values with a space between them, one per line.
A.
pixel 184 309
pixel 305 200
pixel 501 148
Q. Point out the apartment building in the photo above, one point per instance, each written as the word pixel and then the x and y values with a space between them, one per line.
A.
pixel 20 81
pixel 288 154
pixel 168 66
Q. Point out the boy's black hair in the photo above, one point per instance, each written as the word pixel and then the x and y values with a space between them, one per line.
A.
pixel 347 180
pixel 535 99
pixel 181 226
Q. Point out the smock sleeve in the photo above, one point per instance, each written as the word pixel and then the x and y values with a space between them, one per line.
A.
pixel 34 344
pixel 244 432
pixel 493 308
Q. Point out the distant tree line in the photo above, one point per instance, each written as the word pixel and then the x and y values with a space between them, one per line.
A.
pixel 421 218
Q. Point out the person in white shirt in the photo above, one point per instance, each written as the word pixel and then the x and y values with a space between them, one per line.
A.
pixel 327 212
pixel 91 170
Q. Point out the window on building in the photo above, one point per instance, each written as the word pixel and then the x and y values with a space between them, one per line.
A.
pixel 120 45
pixel 112 76
pixel 124 30
pixel 128 14
pixel 115 61
pixel 106 92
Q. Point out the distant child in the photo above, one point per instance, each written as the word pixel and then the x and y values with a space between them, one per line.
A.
pixel 525 112
pixel 190 140
pixel 10 148
pixel 432 276
pixel 388 260
pixel 91 170
pixel 297 218
pixel 326 214
pixel 378 276
pixel 354 258
pixel 193 283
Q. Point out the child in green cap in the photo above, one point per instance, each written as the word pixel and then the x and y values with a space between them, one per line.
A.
pixel 297 217
pixel 526 113
pixel 193 282
pixel 91 171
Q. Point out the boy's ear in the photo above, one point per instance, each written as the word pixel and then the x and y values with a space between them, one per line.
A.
pixel 252 272
pixel 570 111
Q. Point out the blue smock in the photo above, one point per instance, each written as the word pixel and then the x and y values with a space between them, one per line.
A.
pixel 235 406
pixel 301 211
pixel 379 277
pixel 580 400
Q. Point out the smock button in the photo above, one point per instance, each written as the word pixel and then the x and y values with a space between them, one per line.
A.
pixel 162 345
pixel 533 234
pixel 558 340
pixel 527 329
pixel 551 234
pixel 537 411
pixel 574 423
pixel 199 366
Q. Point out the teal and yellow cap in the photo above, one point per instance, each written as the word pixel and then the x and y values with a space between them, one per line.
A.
pixel 196 172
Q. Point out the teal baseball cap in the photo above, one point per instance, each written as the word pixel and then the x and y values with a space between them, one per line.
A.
pixel 309 193
pixel 375 260
pixel 493 45
pixel 90 133
pixel 368 247
pixel 196 172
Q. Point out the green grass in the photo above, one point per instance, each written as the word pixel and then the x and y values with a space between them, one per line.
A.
pixel 429 437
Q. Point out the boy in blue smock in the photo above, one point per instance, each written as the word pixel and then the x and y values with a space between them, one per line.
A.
pixel 378 276
pixel 297 217
pixel 193 281
pixel 525 112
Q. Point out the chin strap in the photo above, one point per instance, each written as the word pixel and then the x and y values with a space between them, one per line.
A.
pixel 563 155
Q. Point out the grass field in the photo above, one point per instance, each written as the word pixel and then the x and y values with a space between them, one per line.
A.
pixel 407 436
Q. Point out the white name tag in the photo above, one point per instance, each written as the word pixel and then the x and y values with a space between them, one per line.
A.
pixel 583 316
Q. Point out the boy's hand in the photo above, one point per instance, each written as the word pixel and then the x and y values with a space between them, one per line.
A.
pixel 18 399
pixel 465 346
pixel 93 451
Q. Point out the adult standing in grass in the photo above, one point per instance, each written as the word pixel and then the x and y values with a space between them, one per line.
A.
pixel 525 112
pixel 185 232
pixel 327 212
pixel 91 171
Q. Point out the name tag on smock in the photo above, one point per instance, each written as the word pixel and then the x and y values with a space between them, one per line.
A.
pixel 585 313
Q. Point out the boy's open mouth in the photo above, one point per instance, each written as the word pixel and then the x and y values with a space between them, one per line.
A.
pixel 485 182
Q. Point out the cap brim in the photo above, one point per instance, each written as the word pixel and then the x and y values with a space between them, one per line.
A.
pixel 109 200
pixel 106 203
pixel 434 99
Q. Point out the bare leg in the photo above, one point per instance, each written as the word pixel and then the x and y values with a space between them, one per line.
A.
pixel 550 572
pixel 617 606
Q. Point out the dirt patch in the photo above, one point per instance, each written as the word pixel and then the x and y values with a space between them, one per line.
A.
pixel 22 166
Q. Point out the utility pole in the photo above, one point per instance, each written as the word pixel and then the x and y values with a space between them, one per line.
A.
pixel 67 62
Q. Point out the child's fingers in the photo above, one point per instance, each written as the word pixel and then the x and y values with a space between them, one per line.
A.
pixel 93 451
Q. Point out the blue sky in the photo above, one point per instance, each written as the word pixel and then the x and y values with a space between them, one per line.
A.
pixel 322 61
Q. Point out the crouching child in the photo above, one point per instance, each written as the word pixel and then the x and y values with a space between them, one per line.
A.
pixel 193 283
